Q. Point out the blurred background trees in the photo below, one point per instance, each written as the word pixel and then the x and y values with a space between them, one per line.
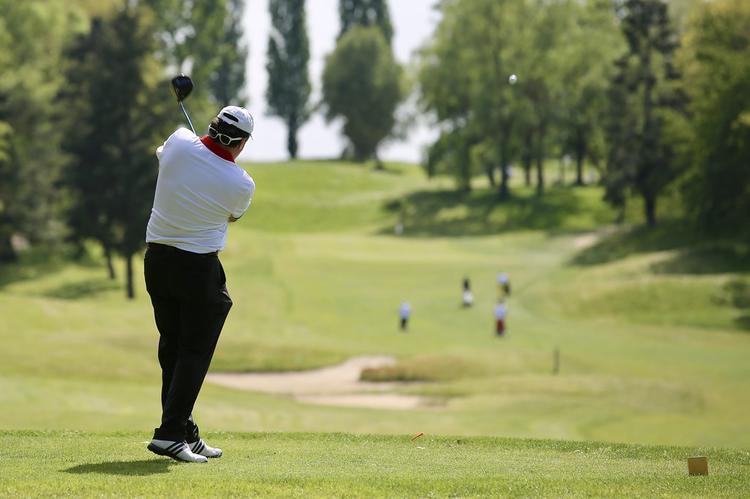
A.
pixel 288 57
pixel 600 82
pixel 642 156
pixel 362 82
pixel 115 103
pixel 560 52
pixel 647 98
pixel 203 38
pixel 86 104
pixel 362 85
pixel 716 62
pixel 30 137
pixel 364 13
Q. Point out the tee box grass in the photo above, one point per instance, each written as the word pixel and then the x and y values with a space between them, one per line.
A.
pixel 345 465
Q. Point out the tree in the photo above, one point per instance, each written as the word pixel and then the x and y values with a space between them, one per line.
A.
pixel 463 79
pixel 288 54
pixel 203 38
pixel 30 161
pixel 365 13
pixel 717 67
pixel 116 109
pixel 361 84
pixel 642 158
pixel 228 79
pixel 592 45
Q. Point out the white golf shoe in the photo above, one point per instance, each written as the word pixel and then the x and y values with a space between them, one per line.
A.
pixel 202 449
pixel 179 451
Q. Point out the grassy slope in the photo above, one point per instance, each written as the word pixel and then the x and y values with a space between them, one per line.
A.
pixel 345 465
pixel 647 356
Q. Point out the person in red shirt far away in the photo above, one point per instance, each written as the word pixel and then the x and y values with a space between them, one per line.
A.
pixel 501 312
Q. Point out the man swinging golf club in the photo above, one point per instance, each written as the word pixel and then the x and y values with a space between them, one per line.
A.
pixel 199 191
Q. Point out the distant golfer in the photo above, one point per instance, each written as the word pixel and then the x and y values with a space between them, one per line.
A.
pixel 467 297
pixel 501 312
pixel 404 313
pixel 503 285
pixel 199 191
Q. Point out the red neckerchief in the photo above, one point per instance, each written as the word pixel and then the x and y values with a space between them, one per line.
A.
pixel 216 148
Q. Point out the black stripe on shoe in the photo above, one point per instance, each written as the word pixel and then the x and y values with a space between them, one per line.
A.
pixel 175 447
pixel 199 446
pixel 174 454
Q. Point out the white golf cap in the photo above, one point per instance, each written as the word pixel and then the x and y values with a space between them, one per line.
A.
pixel 239 117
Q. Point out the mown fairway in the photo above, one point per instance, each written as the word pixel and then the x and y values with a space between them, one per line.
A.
pixel 345 465
pixel 648 353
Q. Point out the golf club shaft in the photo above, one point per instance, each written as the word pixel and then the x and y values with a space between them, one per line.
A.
pixel 187 117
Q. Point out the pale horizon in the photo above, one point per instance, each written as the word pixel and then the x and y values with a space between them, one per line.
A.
pixel 413 23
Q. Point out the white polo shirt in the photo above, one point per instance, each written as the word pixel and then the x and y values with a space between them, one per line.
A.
pixel 196 192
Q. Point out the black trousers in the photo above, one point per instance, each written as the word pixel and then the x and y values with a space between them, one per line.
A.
pixel 190 300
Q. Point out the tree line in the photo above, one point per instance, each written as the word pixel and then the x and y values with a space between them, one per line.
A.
pixel 655 105
pixel 83 107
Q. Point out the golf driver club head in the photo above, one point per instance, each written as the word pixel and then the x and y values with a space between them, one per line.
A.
pixel 182 86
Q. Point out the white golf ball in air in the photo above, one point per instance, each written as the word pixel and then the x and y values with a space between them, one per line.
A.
pixel 512 79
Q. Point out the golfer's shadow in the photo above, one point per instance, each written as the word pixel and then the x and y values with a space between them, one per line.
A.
pixel 140 467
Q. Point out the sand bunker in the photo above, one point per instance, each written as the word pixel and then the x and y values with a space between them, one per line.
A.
pixel 337 385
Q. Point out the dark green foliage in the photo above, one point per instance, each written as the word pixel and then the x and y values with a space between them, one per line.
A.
pixel 717 186
pixel 288 54
pixel 203 38
pixel 29 138
pixel 228 79
pixel 464 81
pixel 735 293
pixel 559 51
pixel 450 154
pixel 365 13
pixel 361 84
pixel 117 115
pixel 643 98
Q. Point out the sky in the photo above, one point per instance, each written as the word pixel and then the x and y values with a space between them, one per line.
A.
pixel 413 23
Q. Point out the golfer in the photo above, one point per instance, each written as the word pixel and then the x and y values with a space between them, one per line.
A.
pixel 199 191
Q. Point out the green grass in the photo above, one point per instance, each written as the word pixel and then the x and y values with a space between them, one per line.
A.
pixel 651 350
pixel 346 465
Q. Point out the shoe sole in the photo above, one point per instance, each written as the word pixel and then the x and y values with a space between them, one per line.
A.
pixel 163 452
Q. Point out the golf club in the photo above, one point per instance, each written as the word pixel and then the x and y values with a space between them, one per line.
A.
pixel 182 85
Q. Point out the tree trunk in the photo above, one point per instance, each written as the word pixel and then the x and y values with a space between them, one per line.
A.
pixel 110 265
pixel 580 155
pixel 540 162
pixel 490 171
pixel 291 141
pixel 527 158
pixel 649 205
pixel 503 190
pixel 7 253
pixel 527 164
pixel 539 176
pixel 129 277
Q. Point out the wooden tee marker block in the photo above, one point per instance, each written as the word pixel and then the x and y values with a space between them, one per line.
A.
pixel 697 466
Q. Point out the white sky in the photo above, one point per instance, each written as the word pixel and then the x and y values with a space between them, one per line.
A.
pixel 413 22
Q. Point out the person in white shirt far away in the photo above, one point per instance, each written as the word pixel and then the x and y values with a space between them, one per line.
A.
pixel 404 313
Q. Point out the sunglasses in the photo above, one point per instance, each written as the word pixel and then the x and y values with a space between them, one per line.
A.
pixel 222 138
